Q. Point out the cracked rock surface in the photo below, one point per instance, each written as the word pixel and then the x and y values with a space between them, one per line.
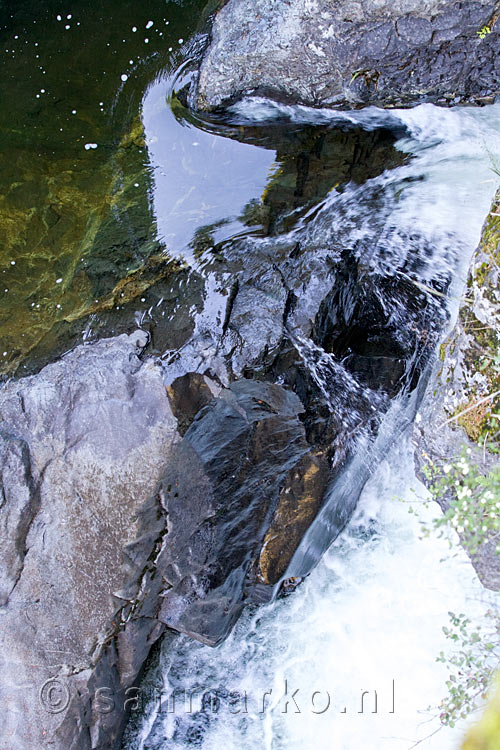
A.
pixel 350 54
pixel 81 449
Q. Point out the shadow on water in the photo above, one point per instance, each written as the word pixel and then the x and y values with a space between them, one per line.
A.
pixel 114 198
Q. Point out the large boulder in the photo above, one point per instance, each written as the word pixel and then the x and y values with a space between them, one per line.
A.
pixel 81 448
pixel 348 53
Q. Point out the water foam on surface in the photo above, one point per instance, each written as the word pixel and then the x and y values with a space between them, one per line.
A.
pixel 367 620
pixel 370 616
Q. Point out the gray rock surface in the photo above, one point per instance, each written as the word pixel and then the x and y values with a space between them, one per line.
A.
pixel 81 449
pixel 458 412
pixel 346 53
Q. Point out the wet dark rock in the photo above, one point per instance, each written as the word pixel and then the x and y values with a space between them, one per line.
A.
pixel 299 503
pixel 219 491
pixel 188 394
pixel 351 54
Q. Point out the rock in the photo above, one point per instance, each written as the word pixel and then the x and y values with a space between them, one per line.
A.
pixel 457 412
pixel 82 445
pixel 220 489
pixel 351 54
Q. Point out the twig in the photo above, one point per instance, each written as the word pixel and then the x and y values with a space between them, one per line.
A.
pixel 469 408
pixel 424 739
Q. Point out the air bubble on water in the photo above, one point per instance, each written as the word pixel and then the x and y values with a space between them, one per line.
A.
pixel 146 41
pixel 134 28
pixel 149 24
pixel 58 281
pixel 59 18
pixel 124 77
pixel 90 146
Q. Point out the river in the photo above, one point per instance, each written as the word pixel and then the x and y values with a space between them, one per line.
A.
pixel 107 172
pixel 369 618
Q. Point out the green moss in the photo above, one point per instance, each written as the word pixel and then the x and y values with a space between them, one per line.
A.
pixel 482 353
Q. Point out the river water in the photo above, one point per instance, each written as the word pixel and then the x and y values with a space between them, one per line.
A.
pixel 106 170
pixel 367 621
pixel 369 618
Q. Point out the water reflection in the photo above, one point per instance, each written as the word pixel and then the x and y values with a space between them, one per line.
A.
pixel 201 177
pixel 74 173
pixel 114 198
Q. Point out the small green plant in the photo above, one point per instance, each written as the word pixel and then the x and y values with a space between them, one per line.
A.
pixel 472 499
pixel 482 33
pixel 472 665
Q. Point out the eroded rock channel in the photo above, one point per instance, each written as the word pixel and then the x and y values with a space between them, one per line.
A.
pixel 183 486
pixel 210 438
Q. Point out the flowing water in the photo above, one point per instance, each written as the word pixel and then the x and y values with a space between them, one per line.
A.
pixel 368 619
pixel 119 207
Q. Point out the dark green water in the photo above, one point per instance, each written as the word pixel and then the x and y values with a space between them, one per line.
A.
pixel 115 201
pixel 75 174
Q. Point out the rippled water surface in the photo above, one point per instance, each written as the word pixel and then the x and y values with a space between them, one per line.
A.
pixel 119 207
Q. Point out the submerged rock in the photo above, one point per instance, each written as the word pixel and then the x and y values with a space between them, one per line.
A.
pixel 351 54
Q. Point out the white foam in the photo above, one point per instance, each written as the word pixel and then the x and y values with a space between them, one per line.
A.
pixel 369 618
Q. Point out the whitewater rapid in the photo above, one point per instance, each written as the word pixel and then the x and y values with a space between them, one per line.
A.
pixel 369 618
pixel 303 672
